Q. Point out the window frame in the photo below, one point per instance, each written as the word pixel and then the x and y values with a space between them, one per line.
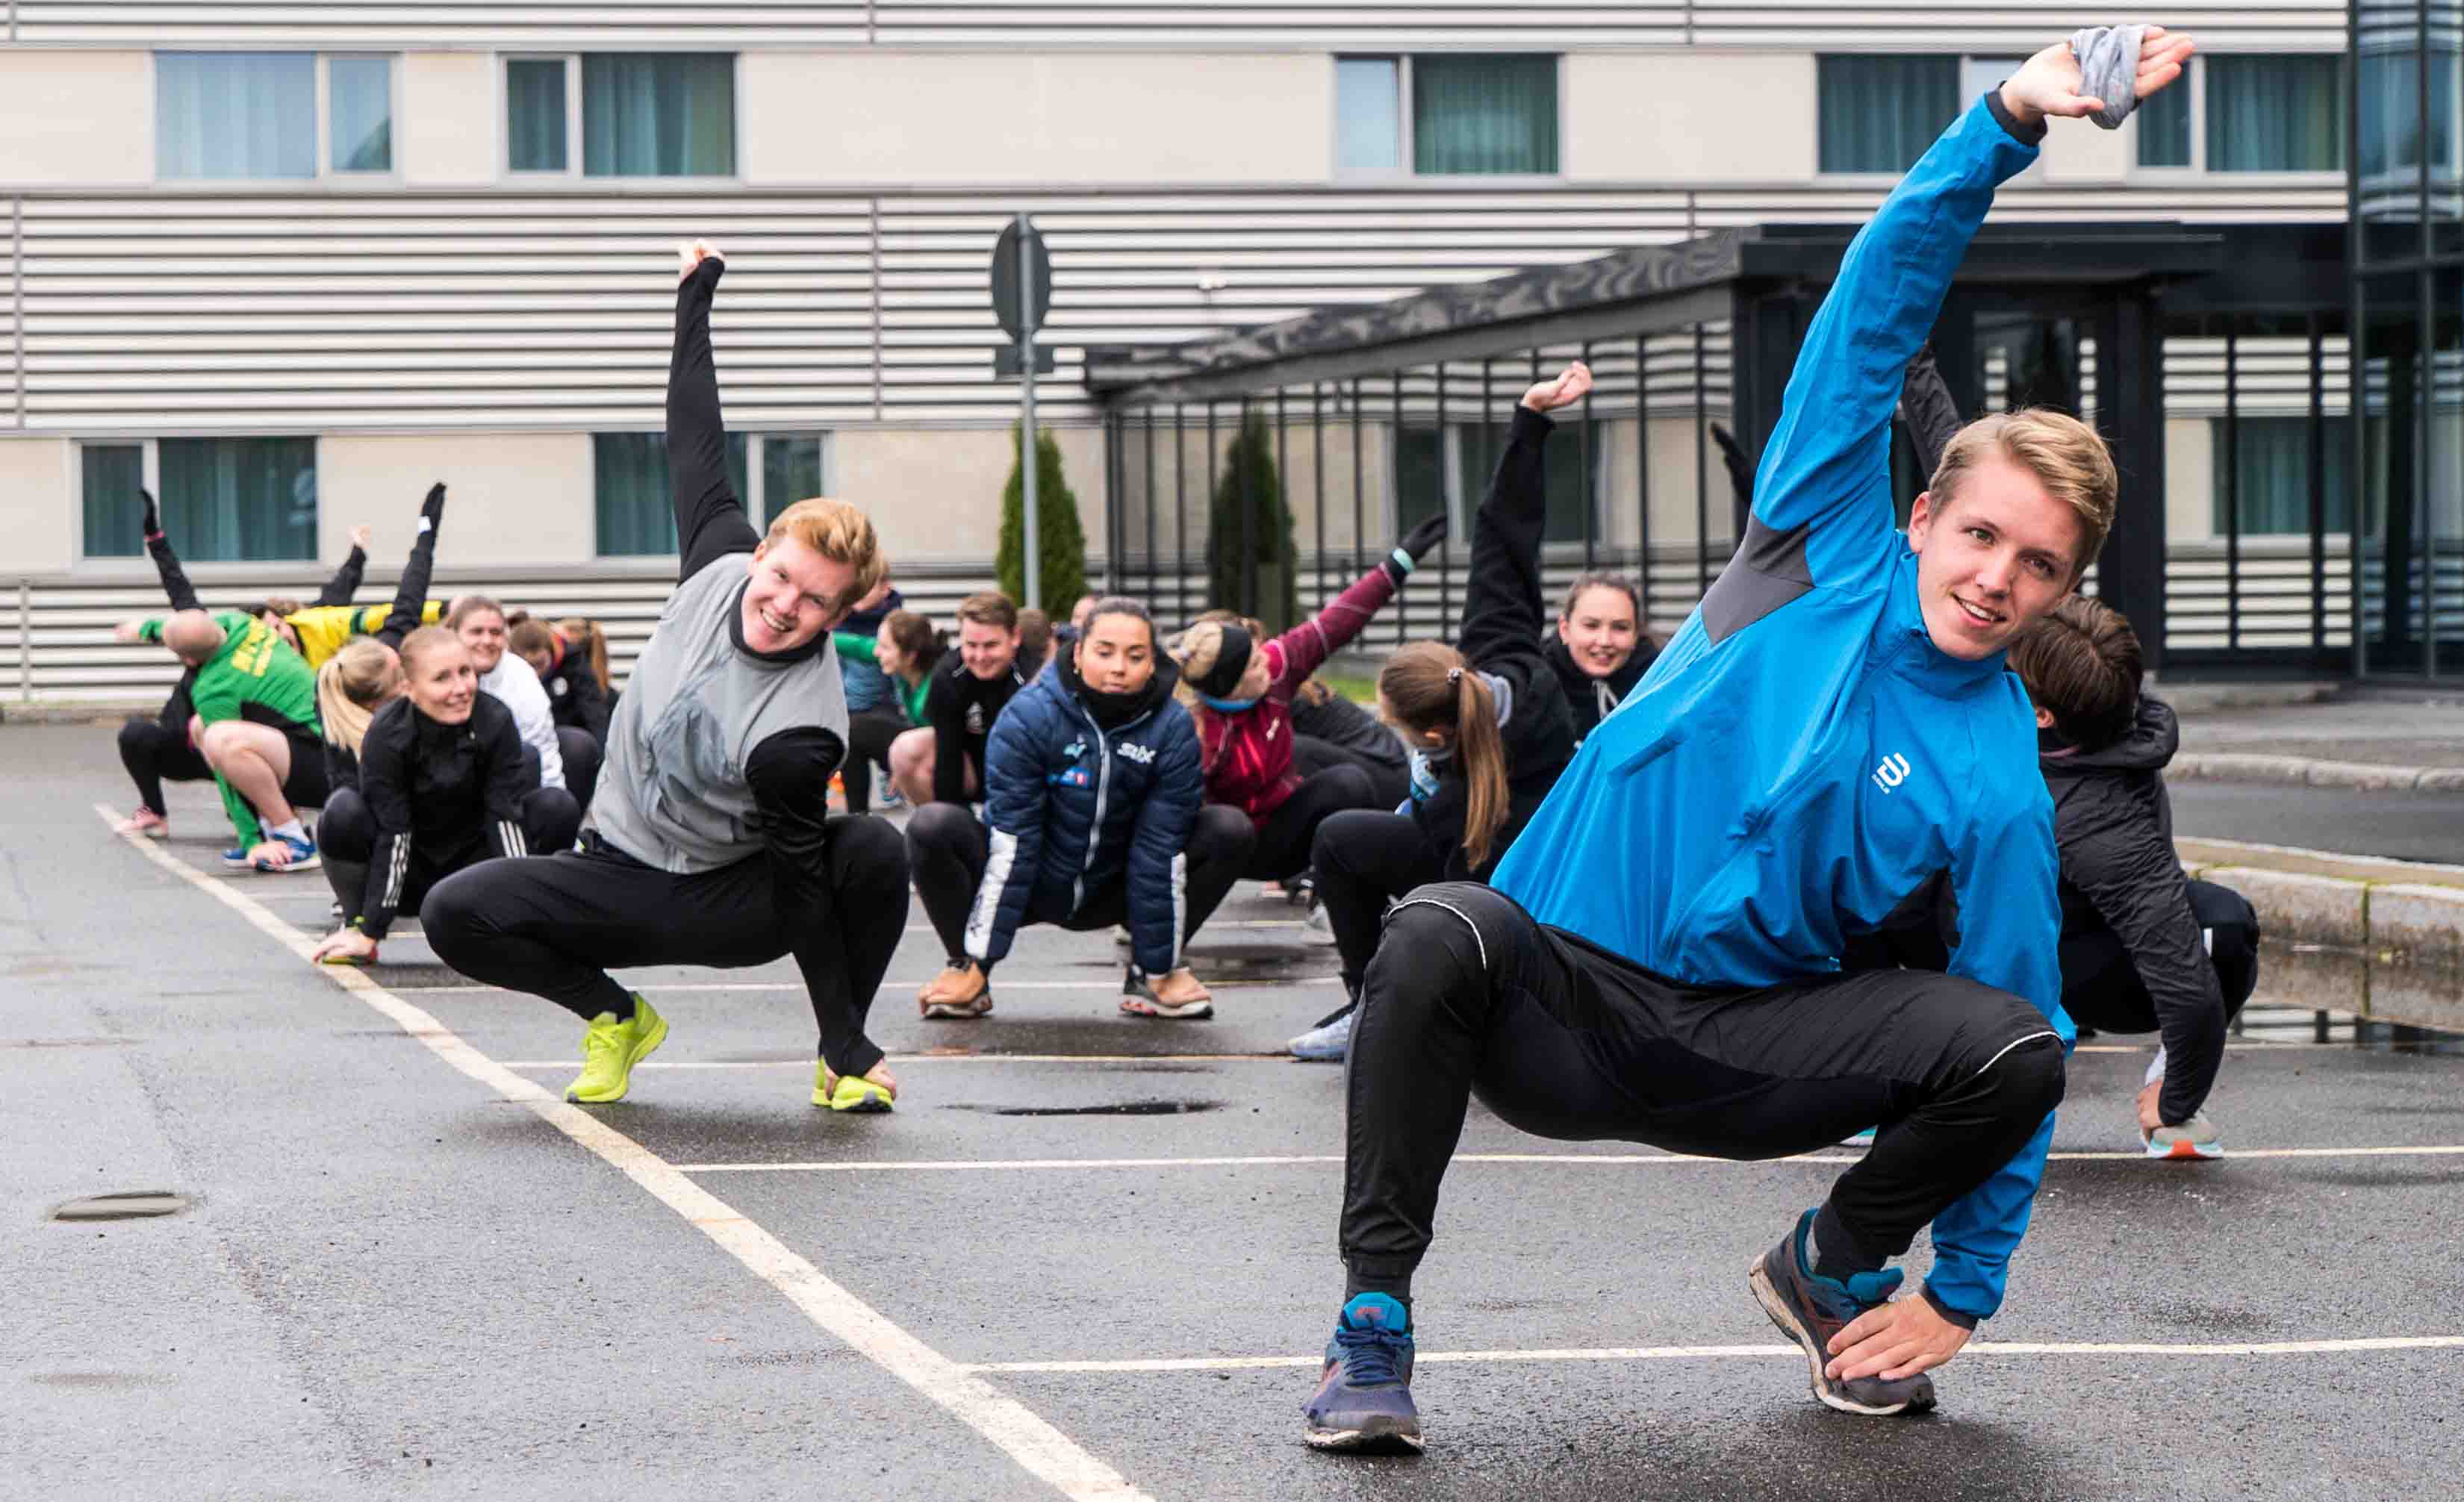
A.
pixel 576 150
pixel 2199 172
pixel 149 471
pixel 326 176
pixel 756 503
pixel 1404 92
pixel 150 468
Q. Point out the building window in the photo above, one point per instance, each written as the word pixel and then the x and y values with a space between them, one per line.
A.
pixel 225 500
pixel 245 116
pixel 2165 123
pixel 1452 466
pixel 1447 113
pixel 2255 112
pixel 2272 465
pixel 637 518
pixel 637 114
pixel 1878 113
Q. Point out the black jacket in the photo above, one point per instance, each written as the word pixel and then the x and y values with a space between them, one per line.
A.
pixel 1502 617
pixel 1340 721
pixel 402 619
pixel 961 709
pixel 446 792
pixel 575 700
pixel 1587 699
pixel 2114 828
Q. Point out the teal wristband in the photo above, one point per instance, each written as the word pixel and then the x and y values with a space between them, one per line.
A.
pixel 1403 560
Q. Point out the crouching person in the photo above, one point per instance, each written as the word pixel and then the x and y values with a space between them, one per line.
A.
pixel 443 785
pixel 1094 812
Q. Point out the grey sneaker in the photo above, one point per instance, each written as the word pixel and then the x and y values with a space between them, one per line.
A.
pixel 1329 1043
pixel 1810 1310
pixel 2195 1140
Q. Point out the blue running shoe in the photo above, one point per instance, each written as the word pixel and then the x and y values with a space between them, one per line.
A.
pixel 1364 1402
pixel 235 858
pixel 1810 1310
pixel 297 855
pixel 1326 1043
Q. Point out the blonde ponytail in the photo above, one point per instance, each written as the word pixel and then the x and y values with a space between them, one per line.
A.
pixel 353 685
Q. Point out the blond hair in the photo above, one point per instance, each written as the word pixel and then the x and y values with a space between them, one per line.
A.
pixel 353 685
pixel 839 532
pixel 426 640
pixel 1427 685
pixel 2064 454
pixel 1195 651
pixel 586 631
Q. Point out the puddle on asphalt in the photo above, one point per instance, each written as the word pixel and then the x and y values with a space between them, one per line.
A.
pixel 1109 1109
pixel 2371 992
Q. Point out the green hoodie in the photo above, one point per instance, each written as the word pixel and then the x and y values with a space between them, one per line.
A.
pixel 255 676
pixel 911 696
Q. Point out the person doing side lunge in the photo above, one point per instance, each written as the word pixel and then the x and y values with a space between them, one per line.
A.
pixel 443 785
pixel 365 675
pixel 1657 959
pixel 1242 686
pixel 1486 721
pixel 711 839
pixel 1094 815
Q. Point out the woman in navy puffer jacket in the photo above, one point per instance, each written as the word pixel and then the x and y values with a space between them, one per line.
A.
pixel 1094 814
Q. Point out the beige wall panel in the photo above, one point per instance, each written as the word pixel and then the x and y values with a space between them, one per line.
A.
pixel 449 127
pixel 1035 118
pixel 77 117
pixel 514 499
pixel 2189 481
pixel 2084 153
pixel 1696 116
pixel 935 494
pixel 40 500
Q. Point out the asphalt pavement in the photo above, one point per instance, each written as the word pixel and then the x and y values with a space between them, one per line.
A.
pixel 1086 1257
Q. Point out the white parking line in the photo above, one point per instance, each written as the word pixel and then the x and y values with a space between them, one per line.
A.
pixel 1574 1159
pixel 1042 1451
pixel 1105 987
pixel 1697 1353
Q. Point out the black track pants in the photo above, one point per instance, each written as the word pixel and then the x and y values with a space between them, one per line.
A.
pixel 1567 1041
pixel 948 847
pixel 581 756
pixel 870 732
pixel 1364 860
pixel 1283 847
pixel 553 926
pixel 1389 782
pixel 346 838
pixel 2102 988
pixel 155 753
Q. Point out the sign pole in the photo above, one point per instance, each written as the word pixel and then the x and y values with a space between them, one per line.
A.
pixel 1028 315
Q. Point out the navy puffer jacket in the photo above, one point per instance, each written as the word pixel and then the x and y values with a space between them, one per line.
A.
pixel 1074 807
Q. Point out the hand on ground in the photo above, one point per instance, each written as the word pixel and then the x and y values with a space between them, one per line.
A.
pixel 344 943
pixel 1182 988
pixel 2049 83
pixel 271 853
pixel 1897 1340
pixel 2148 1118
pixel 1568 387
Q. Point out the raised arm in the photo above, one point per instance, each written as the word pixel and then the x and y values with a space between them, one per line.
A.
pixel 1304 648
pixel 1502 610
pixel 710 519
pixel 345 582
pixel 410 596
pixel 1926 407
pixel 166 564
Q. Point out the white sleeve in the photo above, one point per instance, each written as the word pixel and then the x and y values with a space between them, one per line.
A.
pixel 517 688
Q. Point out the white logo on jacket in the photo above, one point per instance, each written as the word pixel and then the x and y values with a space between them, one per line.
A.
pixel 1893 772
pixel 1143 756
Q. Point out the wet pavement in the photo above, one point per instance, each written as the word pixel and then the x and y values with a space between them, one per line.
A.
pixel 1085 1249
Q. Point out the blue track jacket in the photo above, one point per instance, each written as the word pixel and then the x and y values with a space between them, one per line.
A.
pixel 1802 757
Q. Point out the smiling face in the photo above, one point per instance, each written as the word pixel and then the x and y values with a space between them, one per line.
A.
pixel 886 655
pixel 443 681
pixel 1599 632
pixel 1117 654
pixel 483 632
pixel 988 650
pixel 1999 554
pixel 794 594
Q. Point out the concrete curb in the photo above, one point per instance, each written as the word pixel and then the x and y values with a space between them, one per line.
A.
pixel 2308 772
pixel 2389 950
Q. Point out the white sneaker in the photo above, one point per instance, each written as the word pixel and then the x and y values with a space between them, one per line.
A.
pixel 1329 1043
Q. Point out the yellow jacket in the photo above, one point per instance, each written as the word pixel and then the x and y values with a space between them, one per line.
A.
pixel 323 629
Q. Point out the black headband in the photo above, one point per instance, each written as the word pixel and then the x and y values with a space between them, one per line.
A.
pixel 1231 660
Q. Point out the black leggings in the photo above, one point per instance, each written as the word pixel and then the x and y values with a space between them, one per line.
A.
pixel 1283 848
pixel 948 848
pixel 1365 860
pixel 1569 1041
pixel 870 732
pixel 346 835
pixel 1390 781
pixel 155 753
pixel 550 925
pixel 581 756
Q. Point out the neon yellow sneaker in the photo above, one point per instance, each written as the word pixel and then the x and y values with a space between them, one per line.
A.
pixel 849 1092
pixel 610 1051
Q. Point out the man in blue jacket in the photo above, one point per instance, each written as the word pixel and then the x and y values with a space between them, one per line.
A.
pixel 1657 959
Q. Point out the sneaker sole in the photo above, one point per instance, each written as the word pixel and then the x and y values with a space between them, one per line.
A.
pixel 1373 1439
pixel 309 864
pixel 2184 1152
pixel 1164 1011
pixel 872 1103
pixel 658 1038
pixel 957 1010
pixel 1773 1305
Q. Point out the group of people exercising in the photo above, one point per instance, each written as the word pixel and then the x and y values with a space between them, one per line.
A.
pixel 1855 849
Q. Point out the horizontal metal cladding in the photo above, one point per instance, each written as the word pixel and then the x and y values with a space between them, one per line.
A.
pixel 153 23
pixel 1986 30
pixel 2215 198
pixel 1166 269
pixel 404 311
